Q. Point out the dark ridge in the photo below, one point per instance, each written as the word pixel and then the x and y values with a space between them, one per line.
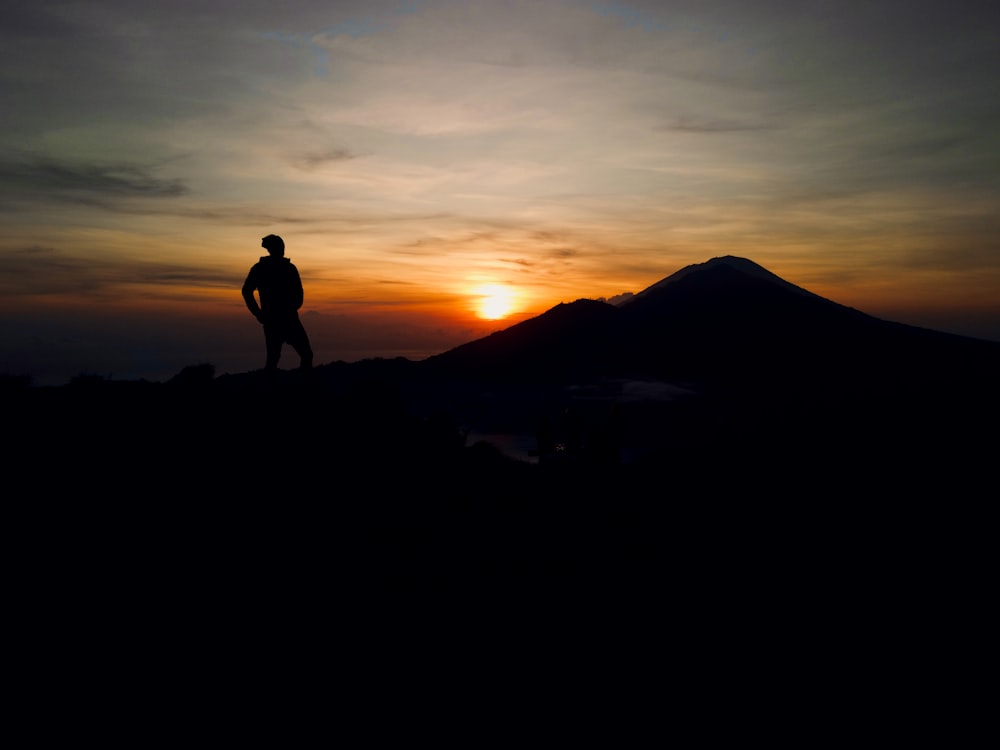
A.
pixel 570 340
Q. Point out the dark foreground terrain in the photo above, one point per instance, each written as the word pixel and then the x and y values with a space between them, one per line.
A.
pixel 837 553
pixel 365 479
pixel 724 428
pixel 740 494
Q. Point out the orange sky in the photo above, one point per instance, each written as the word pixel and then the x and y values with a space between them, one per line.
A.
pixel 411 153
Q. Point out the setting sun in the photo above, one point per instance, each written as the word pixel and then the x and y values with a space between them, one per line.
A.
pixel 494 301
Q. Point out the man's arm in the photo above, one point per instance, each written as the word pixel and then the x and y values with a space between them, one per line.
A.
pixel 249 286
pixel 297 295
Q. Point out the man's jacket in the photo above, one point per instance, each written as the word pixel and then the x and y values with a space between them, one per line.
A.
pixel 277 282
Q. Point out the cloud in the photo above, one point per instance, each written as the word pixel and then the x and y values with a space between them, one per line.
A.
pixel 317 159
pixel 972 253
pixel 75 178
pixel 619 299
pixel 574 146
pixel 628 14
pixel 41 270
pixel 706 125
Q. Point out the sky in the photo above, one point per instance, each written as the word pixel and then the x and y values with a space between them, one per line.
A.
pixel 421 156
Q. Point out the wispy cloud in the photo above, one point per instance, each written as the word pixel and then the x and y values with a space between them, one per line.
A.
pixel 317 159
pixel 74 177
pixel 710 125
pixel 41 270
pixel 568 147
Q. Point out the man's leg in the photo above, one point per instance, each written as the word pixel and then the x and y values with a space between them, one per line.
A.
pixel 273 339
pixel 298 339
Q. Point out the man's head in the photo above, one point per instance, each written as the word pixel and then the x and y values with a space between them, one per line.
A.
pixel 274 245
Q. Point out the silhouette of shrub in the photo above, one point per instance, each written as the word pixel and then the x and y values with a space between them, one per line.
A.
pixel 194 376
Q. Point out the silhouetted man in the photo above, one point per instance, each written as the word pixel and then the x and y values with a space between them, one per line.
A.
pixel 277 282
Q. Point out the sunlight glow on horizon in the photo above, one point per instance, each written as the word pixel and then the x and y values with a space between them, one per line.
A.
pixel 494 301
pixel 441 173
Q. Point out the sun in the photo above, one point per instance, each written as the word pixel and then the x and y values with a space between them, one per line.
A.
pixel 494 301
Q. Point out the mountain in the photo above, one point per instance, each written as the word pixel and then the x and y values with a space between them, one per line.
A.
pixel 775 372
pixel 568 341
pixel 724 323
pixel 728 263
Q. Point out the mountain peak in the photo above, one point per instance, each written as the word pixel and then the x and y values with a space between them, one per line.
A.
pixel 727 263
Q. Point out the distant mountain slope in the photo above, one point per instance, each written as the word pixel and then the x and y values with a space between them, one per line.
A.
pixel 730 317
pixel 568 340
pixel 724 322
